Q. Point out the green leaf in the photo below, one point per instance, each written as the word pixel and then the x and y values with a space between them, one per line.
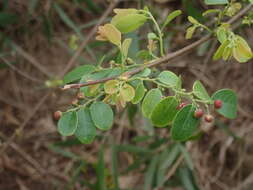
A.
pixel 184 124
pixel 151 99
pixel 229 103
pixel 111 33
pixel 152 36
pixel 111 86
pixel 139 93
pixel 189 32
pixel 78 73
pixel 170 17
pixel 102 115
pixel 67 123
pixel 209 11
pixel 193 20
pixel 200 91
pixel 216 2
pixel 219 52
pixel 128 23
pixel 222 34
pixel 164 112
pixel 86 130
pixel 127 92
pixel 125 46
pixel 242 52
pixel 169 78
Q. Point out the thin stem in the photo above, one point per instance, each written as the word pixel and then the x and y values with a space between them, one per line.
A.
pixel 160 34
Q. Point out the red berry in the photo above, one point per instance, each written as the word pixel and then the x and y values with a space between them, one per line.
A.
pixel 57 115
pixel 208 118
pixel 198 113
pixel 180 106
pixel 217 104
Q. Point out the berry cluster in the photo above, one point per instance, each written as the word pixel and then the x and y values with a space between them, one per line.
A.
pixel 199 112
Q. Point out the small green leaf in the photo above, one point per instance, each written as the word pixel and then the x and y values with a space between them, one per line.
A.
pixel 209 11
pixel 229 103
pixel 164 112
pixel 139 93
pixel 67 123
pixel 112 34
pixel 111 86
pixel 169 78
pixel 216 2
pixel 151 99
pixel 128 23
pixel 125 46
pixel 189 32
pixel 200 91
pixel 184 124
pixel 152 36
pixel 193 20
pixel 170 17
pixel 222 34
pixel 219 52
pixel 86 130
pixel 78 73
pixel 102 115
pixel 242 52
pixel 127 92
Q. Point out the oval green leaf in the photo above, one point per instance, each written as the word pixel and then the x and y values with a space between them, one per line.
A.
pixel 86 129
pixel 127 92
pixel 128 23
pixel 151 99
pixel 200 91
pixel 139 93
pixel 67 123
pixel 125 46
pixel 78 73
pixel 164 112
pixel 111 86
pixel 216 2
pixel 229 103
pixel 184 124
pixel 102 115
pixel 169 78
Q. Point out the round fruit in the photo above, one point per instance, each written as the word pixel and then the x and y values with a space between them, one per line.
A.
pixel 57 115
pixel 180 106
pixel 217 104
pixel 198 113
pixel 208 118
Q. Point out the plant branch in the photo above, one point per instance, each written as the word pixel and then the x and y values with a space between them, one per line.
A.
pixel 164 59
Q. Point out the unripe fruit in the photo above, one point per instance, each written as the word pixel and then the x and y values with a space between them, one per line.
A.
pixel 57 115
pixel 198 113
pixel 208 118
pixel 180 106
pixel 217 104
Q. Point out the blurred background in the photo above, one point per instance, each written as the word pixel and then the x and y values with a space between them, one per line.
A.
pixel 38 38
